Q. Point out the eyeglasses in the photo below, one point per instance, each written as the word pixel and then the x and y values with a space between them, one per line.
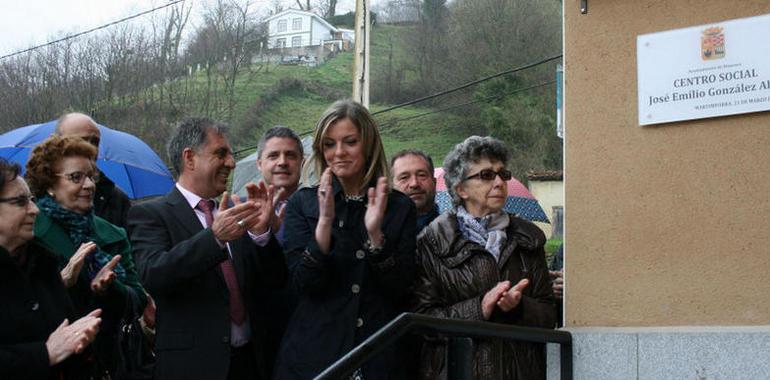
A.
pixel 489 175
pixel 93 140
pixel 78 177
pixel 20 201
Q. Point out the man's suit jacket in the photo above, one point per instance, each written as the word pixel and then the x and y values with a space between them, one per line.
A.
pixel 178 263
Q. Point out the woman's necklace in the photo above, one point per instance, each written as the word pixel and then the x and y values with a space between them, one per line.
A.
pixel 355 198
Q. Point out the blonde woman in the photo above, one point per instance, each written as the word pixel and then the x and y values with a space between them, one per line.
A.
pixel 350 249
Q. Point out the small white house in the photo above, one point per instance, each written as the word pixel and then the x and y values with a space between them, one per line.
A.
pixel 294 28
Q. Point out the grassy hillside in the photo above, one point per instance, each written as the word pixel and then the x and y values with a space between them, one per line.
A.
pixel 296 96
pixel 435 134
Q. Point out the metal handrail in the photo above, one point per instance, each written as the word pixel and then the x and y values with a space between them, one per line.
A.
pixel 408 322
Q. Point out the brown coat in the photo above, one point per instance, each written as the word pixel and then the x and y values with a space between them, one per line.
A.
pixel 453 276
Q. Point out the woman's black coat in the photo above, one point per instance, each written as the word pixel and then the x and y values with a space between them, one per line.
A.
pixel 35 303
pixel 349 294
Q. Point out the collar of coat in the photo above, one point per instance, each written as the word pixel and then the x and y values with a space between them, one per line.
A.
pixel 105 233
pixel 452 247
pixel 337 188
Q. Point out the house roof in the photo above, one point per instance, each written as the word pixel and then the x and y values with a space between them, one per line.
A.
pixel 305 13
pixel 545 175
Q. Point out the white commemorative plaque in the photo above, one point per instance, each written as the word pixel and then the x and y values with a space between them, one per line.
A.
pixel 704 71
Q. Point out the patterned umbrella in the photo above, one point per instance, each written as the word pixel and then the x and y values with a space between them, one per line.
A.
pixel 520 201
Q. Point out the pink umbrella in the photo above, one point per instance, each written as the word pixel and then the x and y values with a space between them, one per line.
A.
pixel 520 201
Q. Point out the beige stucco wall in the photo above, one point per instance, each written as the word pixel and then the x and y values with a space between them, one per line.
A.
pixel 665 225
pixel 548 194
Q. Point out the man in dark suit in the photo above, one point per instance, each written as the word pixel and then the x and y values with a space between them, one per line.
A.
pixel 204 263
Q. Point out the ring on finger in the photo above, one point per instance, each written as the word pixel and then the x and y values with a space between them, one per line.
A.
pixel 241 223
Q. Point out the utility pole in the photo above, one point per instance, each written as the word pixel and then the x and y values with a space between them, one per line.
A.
pixel 361 74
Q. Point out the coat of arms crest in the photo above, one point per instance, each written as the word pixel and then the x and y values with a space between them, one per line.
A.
pixel 712 44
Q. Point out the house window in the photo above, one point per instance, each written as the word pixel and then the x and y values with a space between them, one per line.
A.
pixel 296 41
pixel 281 26
pixel 280 43
pixel 296 24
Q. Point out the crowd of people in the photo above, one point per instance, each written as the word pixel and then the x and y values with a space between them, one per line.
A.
pixel 279 284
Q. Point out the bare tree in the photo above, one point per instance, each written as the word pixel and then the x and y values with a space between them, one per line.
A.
pixel 327 8
pixel 430 44
pixel 168 61
pixel 225 45
pixel 276 6
pixel 493 35
pixel 398 11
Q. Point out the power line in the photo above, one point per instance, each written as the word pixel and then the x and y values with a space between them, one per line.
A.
pixel 391 122
pixel 469 84
pixel 394 121
pixel 76 35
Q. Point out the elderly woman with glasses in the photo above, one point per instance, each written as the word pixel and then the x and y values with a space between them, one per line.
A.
pixel 94 256
pixel 37 340
pixel 476 262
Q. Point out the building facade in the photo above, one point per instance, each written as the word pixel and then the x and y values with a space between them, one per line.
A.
pixel 296 29
pixel 667 244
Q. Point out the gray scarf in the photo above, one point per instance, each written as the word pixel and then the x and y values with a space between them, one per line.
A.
pixel 487 231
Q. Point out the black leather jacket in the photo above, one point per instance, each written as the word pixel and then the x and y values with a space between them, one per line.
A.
pixel 454 274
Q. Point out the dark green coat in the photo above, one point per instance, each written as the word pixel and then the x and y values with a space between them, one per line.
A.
pixel 113 241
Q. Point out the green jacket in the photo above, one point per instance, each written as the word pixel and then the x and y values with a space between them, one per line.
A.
pixel 113 241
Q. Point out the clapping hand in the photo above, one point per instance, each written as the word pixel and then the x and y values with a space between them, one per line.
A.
pixel 511 297
pixel 73 338
pixel 262 196
pixel 325 196
pixel 503 296
pixel 280 211
pixel 325 212
pixel 375 211
pixel 492 297
pixel 557 283
pixel 148 315
pixel 230 223
pixel 105 276
pixel 71 271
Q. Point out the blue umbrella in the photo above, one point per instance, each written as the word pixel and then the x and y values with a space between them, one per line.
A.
pixel 123 158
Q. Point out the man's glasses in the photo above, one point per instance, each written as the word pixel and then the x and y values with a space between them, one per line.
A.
pixel 489 175
pixel 78 177
pixel 20 201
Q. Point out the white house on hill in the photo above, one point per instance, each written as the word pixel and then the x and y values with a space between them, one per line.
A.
pixel 294 29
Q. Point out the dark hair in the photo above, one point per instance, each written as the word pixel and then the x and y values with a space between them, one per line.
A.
pixel 191 133
pixel 470 151
pixel 279 131
pixel 413 152
pixel 42 164
pixel 8 172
